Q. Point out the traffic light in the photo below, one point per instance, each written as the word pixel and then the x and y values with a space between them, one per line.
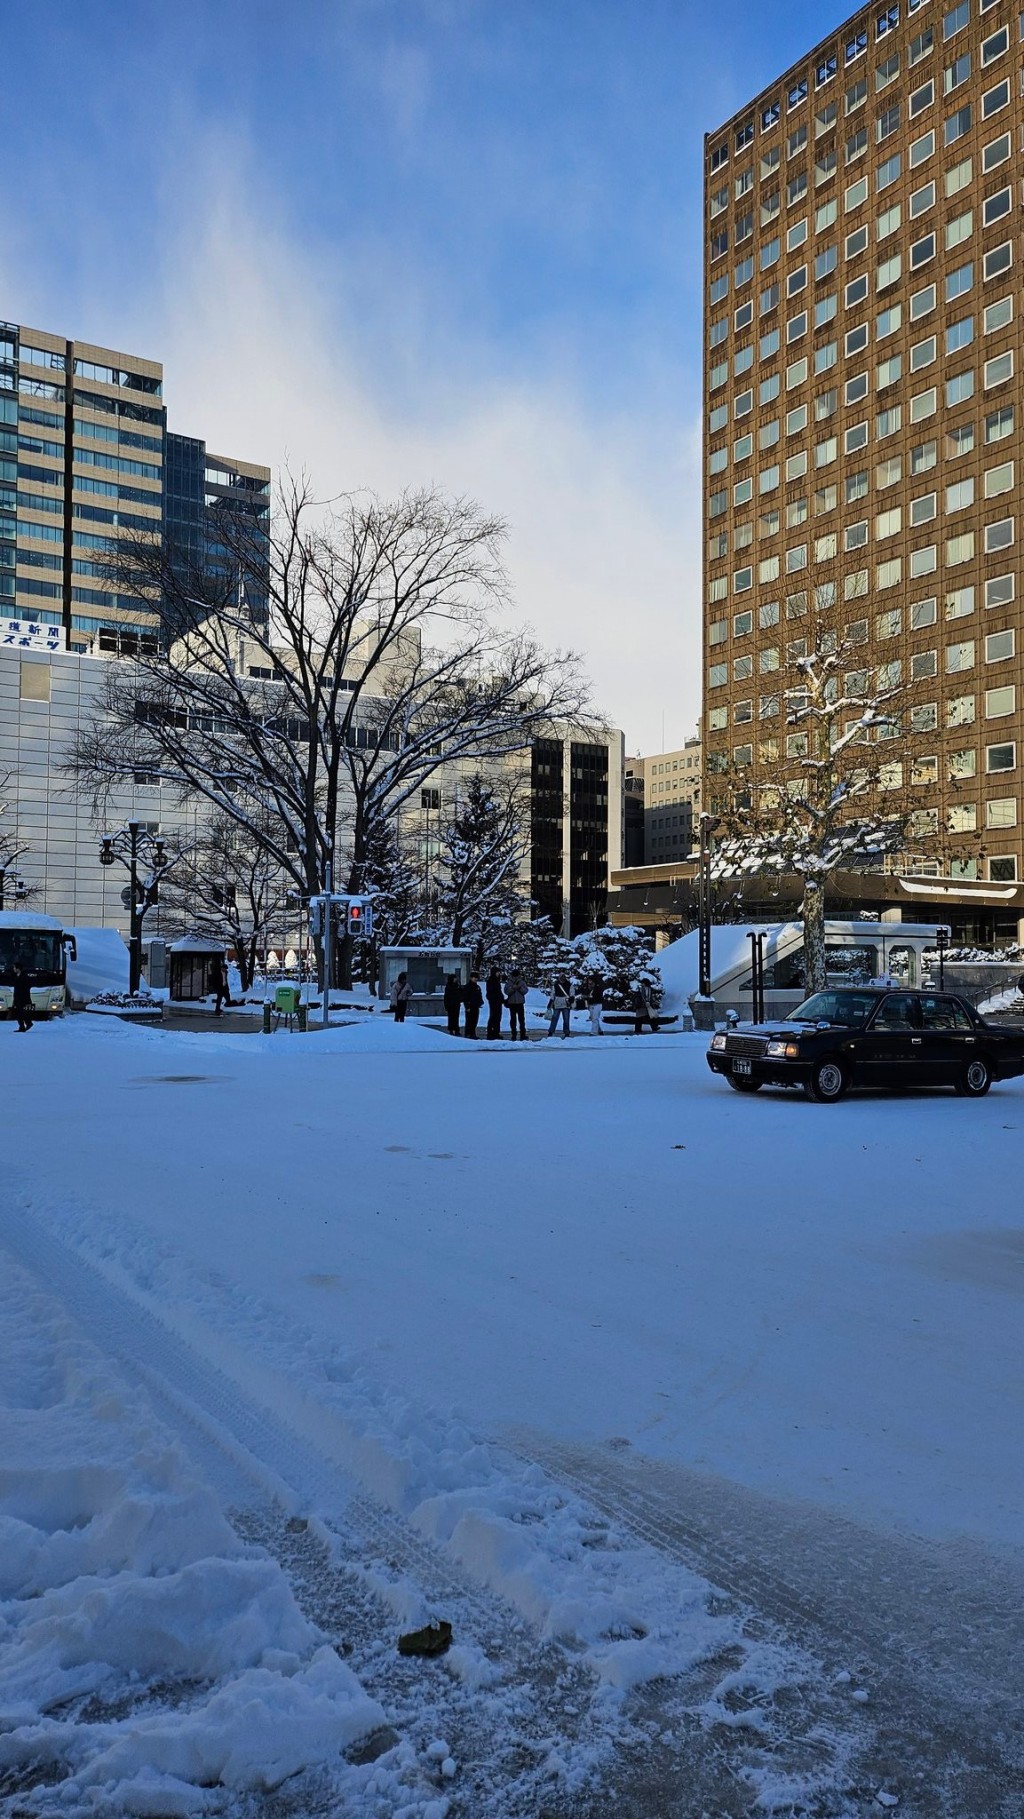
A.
pixel 316 916
pixel 355 918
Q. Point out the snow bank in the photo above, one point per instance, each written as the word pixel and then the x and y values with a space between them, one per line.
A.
pixel 679 963
pixel 118 1568
pixel 101 966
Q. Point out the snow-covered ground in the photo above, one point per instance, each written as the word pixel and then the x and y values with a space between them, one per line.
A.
pixel 697 1416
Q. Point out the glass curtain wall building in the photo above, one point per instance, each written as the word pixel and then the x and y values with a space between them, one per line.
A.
pixel 863 413
pixel 86 460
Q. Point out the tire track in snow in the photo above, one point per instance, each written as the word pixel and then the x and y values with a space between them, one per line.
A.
pixel 934 1633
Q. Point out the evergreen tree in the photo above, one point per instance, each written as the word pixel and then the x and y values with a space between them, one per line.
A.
pixel 480 894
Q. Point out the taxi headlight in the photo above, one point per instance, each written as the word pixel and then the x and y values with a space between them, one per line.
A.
pixel 718 1042
pixel 783 1051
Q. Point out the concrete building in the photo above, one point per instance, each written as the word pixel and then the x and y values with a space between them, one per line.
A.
pixel 46 697
pixel 671 802
pixel 85 460
pixel 863 419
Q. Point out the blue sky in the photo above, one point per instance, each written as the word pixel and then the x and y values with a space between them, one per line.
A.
pixel 395 240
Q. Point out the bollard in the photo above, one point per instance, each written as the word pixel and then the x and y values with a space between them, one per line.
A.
pixel 267 1014
pixel 303 1016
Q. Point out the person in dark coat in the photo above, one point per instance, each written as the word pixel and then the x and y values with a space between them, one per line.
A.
pixel 21 1001
pixel 453 1002
pixel 218 982
pixel 495 1005
pixel 515 998
pixel 644 1009
pixel 472 998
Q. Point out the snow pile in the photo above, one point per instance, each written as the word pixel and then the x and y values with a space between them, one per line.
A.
pixel 118 1569
pixel 101 964
pixel 1009 1000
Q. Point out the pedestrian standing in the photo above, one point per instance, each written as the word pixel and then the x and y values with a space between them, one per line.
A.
pixel 560 1004
pixel 595 1004
pixel 643 1007
pixel 401 997
pixel 472 998
pixel 495 1005
pixel 21 1000
pixel 515 998
pixel 453 1002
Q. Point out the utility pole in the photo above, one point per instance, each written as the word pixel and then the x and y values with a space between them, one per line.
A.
pixel 328 941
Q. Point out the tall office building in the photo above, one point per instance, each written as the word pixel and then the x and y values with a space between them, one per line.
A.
pixel 209 499
pixel 863 422
pixel 85 459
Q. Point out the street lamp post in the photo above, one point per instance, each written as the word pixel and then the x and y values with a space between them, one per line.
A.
pixel 942 942
pixel 126 848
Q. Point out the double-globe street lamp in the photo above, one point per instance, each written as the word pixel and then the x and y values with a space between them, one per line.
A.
pixel 127 847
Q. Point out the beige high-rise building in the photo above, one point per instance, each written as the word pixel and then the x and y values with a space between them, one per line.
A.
pixel 863 418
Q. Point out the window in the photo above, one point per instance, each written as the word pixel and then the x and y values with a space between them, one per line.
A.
pixel 924 771
pixel 960 712
pixel 995 46
pixel 999 590
pixel 959 388
pixel 855 389
pixel 996 98
pixel 921 149
pixel 998 315
pixel 922 303
pixel 888 122
pixel 960 603
pixel 955 20
pixel 889 272
pixel 742 404
pixel 855 437
pixel 825 310
pixel 796 326
pixel 921 98
pixel 924 718
pixel 923 457
pixel 998 369
pixel 922 354
pixel 796 373
pixel 856 339
pixel 959 657
pixel 887 524
pixel 959 495
pixel 923 561
pixel 889 625
pixel 959 549
pixel 856 487
pixel 1001 811
pixel 855 194
pixel 963 819
pixel 889 421
pixel 923 613
pixel 999 480
pixel 855 536
pixel 768 300
pixel 999 702
pixel 956 73
pixel 796 281
pixel 998 536
pixel 957 125
pixel 959 230
pixel 719 288
pixel 920 46
pixel 995 153
pixel 769 116
pixel 998 261
pixel 718 675
pixel 1000 758
pixel 922 199
pixel 959 441
pixel 35 678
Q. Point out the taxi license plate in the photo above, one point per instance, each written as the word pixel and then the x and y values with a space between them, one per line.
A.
pixel 741 1067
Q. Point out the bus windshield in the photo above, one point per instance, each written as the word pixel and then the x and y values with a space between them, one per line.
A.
pixel 39 951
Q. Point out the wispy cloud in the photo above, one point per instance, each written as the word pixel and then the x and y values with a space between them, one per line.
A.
pixel 272 350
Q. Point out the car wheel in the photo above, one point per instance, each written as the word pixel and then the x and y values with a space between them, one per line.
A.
pixel 827 1083
pixel 976 1078
pixel 742 1083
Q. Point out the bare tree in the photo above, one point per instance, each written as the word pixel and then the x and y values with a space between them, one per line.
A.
pixel 838 801
pixel 11 883
pixel 381 656
pixel 230 890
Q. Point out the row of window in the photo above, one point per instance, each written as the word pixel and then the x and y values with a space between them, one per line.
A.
pixel 887 173
pixel 88 369
pixel 890 623
pixel 959 658
pixel 999 759
pixel 958 441
pixel 996 538
pixel 769 251
pixel 954 21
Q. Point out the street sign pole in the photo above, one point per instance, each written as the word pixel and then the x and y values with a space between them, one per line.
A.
pixel 328 901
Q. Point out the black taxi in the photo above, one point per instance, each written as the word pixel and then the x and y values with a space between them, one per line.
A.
pixel 866 1036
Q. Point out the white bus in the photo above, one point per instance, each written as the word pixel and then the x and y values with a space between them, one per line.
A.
pixel 40 945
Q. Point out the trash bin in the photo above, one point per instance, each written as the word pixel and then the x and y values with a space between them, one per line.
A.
pixel 286 1000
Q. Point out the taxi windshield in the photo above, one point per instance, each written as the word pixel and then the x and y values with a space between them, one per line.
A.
pixel 847 1008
